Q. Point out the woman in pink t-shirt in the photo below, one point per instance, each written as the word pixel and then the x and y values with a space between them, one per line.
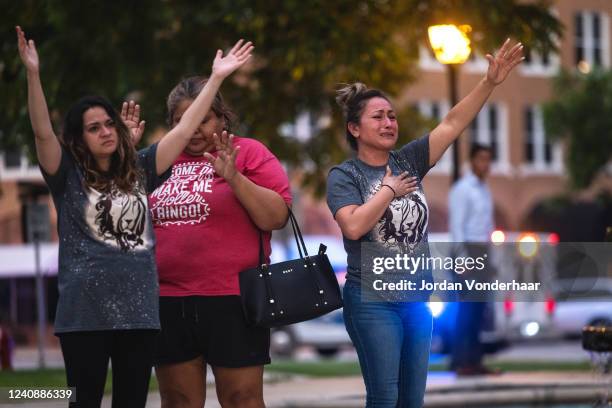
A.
pixel 208 216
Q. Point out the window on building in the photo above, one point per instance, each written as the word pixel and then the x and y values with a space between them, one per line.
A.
pixel 591 44
pixel 536 58
pixel 12 158
pixel 486 129
pixel 539 63
pixel 427 59
pixel 529 136
pixel 14 165
pixel 494 132
pixel 476 63
pixel 437 110
pixel 538 151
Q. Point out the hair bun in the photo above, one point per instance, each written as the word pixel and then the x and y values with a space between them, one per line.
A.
pixel 347 94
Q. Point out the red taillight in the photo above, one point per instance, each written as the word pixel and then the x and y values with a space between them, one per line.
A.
pixel 550 305
pixel 508 307
pixel 553 238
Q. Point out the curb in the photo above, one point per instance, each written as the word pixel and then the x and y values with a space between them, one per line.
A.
pixel 490 395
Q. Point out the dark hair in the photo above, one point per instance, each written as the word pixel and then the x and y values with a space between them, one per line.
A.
pixel 190 88
pixel 123 172
pixel 477 148
pixel 353 98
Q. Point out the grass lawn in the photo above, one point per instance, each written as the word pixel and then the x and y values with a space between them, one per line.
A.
pixel 347 368
pixel 49 377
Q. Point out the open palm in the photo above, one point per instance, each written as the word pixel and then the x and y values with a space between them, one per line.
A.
pixel 27 51
pixel 238 55
pixel 130 114
pixel 506 59
pixel 225 161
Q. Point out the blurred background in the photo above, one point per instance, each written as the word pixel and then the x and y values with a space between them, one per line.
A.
pixel 549 124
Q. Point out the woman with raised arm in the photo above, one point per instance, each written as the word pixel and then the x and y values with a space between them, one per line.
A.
pixel 224 195
pixel 108 290
pixel 377 197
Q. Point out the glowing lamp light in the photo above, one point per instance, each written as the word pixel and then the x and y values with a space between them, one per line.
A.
pixel 528 245
pixel 498 237
pixel 450 43
pixel 584 67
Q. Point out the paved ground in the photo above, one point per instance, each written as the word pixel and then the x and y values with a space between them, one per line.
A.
pixel 559 351
pixel 444 389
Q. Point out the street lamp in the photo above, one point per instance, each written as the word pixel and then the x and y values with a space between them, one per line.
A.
pixel 451 47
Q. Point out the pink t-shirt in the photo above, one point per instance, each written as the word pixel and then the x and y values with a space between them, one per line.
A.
pixel 204 235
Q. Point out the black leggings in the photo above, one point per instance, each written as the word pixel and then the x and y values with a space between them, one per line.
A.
pixel 86 357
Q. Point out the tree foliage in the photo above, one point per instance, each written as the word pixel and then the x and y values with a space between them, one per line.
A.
pixel 304 48
pixel 580 114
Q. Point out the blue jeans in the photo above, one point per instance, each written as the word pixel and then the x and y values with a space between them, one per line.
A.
pixel 392 341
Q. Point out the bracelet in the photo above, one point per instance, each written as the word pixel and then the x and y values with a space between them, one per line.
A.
pixel 386 185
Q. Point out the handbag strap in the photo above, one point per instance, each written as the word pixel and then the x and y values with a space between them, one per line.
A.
pixel 299 239
pixel 297 234
pixel 308 262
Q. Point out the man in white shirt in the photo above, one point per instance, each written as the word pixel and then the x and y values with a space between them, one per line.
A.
pixel 471 224
pixel 470 201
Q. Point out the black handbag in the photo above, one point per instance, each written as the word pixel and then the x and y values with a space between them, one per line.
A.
pixel 292 291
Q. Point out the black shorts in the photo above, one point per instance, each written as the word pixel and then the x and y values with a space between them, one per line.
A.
pixel 212 327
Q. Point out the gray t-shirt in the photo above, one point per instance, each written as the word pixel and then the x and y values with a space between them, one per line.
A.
pixel 107 277
pixel 405 221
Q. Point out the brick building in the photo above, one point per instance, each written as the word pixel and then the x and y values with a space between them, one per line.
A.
pixel 527 167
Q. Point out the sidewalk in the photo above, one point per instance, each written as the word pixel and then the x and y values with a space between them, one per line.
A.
pixel 27 358
pixel 443 390
pixel 446 390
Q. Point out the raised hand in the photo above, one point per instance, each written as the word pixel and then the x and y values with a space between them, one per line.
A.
pixel 27 51
pixel 238 55
pixel 130 114
pixel 401 184
pixel 507 58
pixel 225 162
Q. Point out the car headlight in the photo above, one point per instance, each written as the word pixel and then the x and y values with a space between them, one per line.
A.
pixel 530 329
pixel 528 245
pixel 436 308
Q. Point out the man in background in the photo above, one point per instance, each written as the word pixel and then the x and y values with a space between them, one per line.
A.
pixel 471 224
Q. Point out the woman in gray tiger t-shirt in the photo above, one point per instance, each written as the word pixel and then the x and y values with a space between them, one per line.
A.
pixel 107 307
pixel 377 199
